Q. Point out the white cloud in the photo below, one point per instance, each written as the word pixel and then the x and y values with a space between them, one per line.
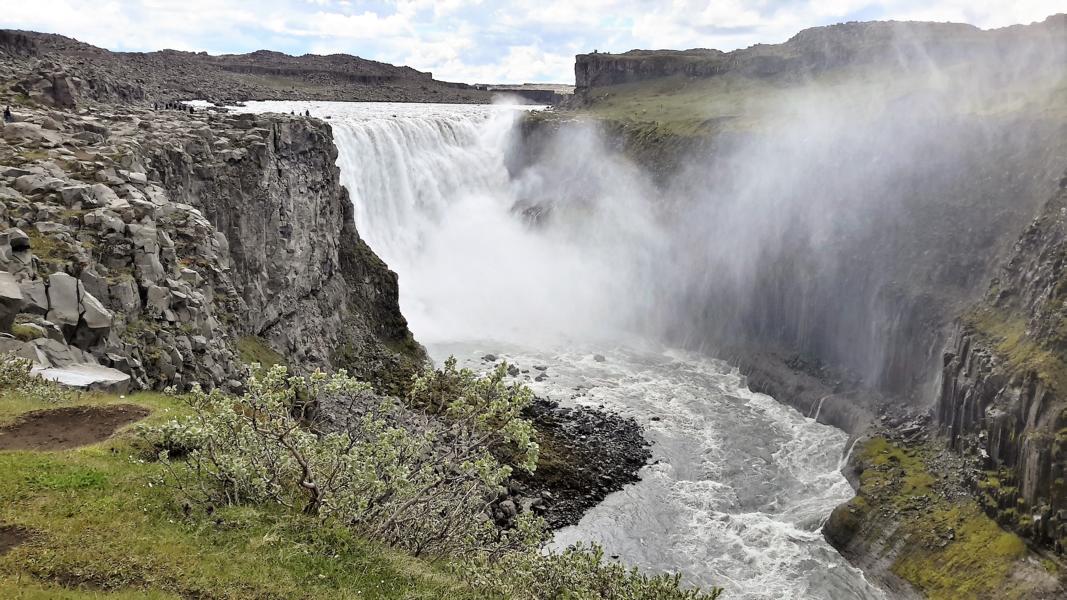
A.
pixel 478 40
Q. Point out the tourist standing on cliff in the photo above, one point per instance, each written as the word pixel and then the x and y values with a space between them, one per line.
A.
pixel 8 117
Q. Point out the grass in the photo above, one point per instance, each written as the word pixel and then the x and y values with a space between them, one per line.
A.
pixel 975 566
pixel 253 349
pixel 33 155
pixel 25 333
pixel 682 106
pixel 46 247
pixel 101 531
pixel 952 549
pixel 1013 343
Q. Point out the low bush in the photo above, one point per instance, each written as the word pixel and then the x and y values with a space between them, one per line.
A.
pixel 400 476
pixel 577 573
pixel 16 377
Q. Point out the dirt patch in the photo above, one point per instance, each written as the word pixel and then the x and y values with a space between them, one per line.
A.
pixel 65 428
pixel 11 536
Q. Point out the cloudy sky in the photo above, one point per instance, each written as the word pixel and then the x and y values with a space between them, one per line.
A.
pixel 478 40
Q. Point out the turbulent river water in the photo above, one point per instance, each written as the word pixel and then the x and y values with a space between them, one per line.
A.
pixel 739 483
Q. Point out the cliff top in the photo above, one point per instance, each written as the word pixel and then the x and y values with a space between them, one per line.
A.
pixel 817 49
pixel 260 75
pixel 699 91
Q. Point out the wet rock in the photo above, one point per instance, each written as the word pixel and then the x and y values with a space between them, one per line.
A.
pixel 586 454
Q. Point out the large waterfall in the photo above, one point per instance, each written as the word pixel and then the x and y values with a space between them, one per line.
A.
pixel 563 260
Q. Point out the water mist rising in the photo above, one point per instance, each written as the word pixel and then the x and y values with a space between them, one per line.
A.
pixel 434 199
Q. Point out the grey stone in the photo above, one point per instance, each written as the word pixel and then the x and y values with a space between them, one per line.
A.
pixel 76 194
pixel 36 296
pixel 11 300
pixel 30 132
pixel 37 183
pixel 87 376
pixel 63 305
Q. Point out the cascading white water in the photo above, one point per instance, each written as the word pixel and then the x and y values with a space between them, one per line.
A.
pixel 739 484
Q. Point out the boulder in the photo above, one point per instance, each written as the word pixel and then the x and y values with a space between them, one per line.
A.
pixel 89 137
pixel 11 300
pixel 94 314
pixel 17 239
pixel 59 354
pixel 37 183
pixel 88 376
pixel 21 349
pixel 76 194
pixel 104 195
pixel 30 132
pixel 124 297
pixel 36 296
pixel 63 305
pixel 158 300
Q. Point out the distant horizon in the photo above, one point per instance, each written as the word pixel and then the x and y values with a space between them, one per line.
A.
pixel 476 41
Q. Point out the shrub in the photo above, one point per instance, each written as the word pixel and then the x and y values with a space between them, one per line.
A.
pixel 16 377
pixel 396 475
pixel 419 476
pixel 577 573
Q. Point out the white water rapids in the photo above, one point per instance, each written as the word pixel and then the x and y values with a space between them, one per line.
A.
pixel 739 483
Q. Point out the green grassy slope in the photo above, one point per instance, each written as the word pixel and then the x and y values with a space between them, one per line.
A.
pixel 100 531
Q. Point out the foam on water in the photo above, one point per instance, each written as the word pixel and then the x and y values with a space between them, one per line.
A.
pixel 740 483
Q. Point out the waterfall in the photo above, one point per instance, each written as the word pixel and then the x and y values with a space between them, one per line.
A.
pixel 434 198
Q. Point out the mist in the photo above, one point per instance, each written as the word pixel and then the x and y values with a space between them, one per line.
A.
pixel 845 218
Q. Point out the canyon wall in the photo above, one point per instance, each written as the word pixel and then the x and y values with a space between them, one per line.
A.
pixel 1004 380
pixel 174 247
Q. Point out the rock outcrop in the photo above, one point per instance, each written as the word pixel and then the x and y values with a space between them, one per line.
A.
pixel 165 244
pixel 1004 384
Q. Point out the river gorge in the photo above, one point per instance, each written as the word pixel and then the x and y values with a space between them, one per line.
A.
pixel 739 484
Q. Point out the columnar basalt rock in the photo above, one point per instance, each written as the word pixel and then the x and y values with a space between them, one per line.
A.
pixel 1004 381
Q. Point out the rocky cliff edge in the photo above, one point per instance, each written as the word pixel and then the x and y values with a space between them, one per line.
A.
pixel 175 248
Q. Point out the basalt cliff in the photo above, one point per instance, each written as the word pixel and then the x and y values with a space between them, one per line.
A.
pixel 175 248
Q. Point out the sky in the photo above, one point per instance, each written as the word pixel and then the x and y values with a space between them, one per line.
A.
pixel 478 41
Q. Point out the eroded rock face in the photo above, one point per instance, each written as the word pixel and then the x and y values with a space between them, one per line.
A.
pixel 1004 382
pixel 306 280
pixel 158 239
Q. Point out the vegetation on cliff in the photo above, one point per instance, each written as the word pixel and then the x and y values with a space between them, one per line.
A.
pixel 913 509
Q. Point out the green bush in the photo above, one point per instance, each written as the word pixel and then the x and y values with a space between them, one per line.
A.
pixel 399 476
pixel 16 377
pixel 577 573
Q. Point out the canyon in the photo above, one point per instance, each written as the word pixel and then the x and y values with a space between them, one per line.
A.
pixel 866 221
